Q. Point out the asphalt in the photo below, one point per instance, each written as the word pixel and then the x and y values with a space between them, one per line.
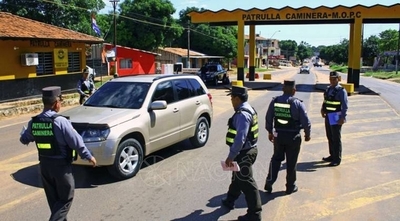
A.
pixel 33 105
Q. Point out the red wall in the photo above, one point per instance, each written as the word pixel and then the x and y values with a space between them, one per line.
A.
pixel 142 63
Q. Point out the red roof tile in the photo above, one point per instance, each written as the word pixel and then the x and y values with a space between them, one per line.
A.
pixel 13 26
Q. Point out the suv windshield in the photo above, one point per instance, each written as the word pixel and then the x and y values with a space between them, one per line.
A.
pixel 129 95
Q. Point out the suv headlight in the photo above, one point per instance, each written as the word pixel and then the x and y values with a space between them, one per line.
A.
pixel 95 134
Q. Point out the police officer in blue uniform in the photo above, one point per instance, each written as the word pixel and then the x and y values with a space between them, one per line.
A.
pixel 85 86
pixel 56 142
pixel 285 117
pixel 335 100
pixel 242 139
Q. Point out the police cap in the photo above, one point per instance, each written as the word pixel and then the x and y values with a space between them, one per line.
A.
pixel 334 74
pixel 238 91
pixel 289 83
pixel 51 92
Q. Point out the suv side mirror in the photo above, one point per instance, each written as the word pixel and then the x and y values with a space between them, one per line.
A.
pixel 158 105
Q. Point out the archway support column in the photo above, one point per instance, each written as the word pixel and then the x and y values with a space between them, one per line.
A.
pixel 240 50
pixel 350 55
pixel 252 47
pixel 356 58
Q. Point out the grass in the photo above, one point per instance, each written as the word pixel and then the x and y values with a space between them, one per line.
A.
pixel 338 68
pixel 100 81
pixel 382 75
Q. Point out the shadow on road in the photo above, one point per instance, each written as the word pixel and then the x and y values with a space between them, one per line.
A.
pixel 88 177
pixel 214 202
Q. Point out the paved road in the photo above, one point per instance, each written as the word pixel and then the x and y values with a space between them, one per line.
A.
pixel 185 184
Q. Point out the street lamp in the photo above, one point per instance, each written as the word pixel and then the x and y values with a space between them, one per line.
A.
pixel 115 3
pixel 269 42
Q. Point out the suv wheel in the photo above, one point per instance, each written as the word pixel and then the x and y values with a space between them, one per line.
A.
pixel 128 159
pixel 201 134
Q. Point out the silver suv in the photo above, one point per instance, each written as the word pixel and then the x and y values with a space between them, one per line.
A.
pixel 128 118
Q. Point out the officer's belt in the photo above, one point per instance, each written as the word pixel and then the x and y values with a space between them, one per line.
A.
pixel 54 160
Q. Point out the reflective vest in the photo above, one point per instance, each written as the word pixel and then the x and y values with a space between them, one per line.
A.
pixel 283 117
pixel 252 135
pixel 331 104
pixel 46 142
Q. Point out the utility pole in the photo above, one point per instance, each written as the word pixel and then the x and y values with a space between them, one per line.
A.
pixel 188 49
pixel 398 49
pixel 115 3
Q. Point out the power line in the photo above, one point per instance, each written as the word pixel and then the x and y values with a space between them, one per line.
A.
pixel 134 19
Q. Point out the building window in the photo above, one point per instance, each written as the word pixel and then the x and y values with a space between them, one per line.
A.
pixel 125 63
pixel 46 65
pixel 273 44
pixel 74 62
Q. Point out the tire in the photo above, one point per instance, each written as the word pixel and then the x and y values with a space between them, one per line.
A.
pixel 128 159
pixel 225 80
pixel 201 133
pixel 215 81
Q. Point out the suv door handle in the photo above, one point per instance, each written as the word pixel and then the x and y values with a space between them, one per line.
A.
pixel 175 110
pixel 198 102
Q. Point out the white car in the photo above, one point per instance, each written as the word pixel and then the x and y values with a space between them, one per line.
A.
pixel 305 69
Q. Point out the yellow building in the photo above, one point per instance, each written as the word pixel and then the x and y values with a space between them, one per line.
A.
pixel 35 55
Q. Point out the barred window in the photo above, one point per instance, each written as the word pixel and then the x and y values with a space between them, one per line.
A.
pixel 74 62
pixel 125 63
pixel 46 64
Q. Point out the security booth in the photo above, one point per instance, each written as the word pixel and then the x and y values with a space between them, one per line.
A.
pixel 39 56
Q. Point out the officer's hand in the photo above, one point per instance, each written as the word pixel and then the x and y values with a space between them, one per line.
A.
pixel 271 137
pixel 93 161
pixel 229 162
pixel 307 138
pixel 341 121
pixel 323 114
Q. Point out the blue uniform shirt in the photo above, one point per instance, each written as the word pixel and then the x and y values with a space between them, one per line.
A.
pixel 342 97
pixel 297 110
pixel 88 83
pixel 242 122
pixel 67 136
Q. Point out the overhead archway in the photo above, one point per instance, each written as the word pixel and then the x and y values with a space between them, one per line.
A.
pixel 356 16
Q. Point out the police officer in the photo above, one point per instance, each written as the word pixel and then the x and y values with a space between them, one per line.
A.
pixel 335 100
pixel 56 142
pixel 85 86
pixel 242 139
pixel 285 117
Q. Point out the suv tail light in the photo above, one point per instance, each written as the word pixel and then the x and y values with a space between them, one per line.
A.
pixel 210 97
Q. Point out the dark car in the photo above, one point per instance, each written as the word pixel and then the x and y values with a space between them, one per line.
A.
pixel 316 64
pixel 305 69
pixel 214 73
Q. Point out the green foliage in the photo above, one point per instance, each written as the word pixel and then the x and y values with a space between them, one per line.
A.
pixel 338 68
pixel 70 14
pixel 381 74
pixel 210 40
pixel 336 53
pixel 158 29
pixel 304 51
pixel 288 48
pixel 388 40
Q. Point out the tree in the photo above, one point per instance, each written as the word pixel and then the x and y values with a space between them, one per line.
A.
pixel 152 25
pixel 210 40
pixel 370 49
pixel 388 40
pixel 288 48
pixel 304 51
pixel 72 14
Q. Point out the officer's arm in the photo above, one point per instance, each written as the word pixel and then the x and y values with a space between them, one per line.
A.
pixel 78 88
pixel 269 117
pixel 73 139
pixel 27 136
pixel 303 117
pixel 242 124
pixel 344 103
